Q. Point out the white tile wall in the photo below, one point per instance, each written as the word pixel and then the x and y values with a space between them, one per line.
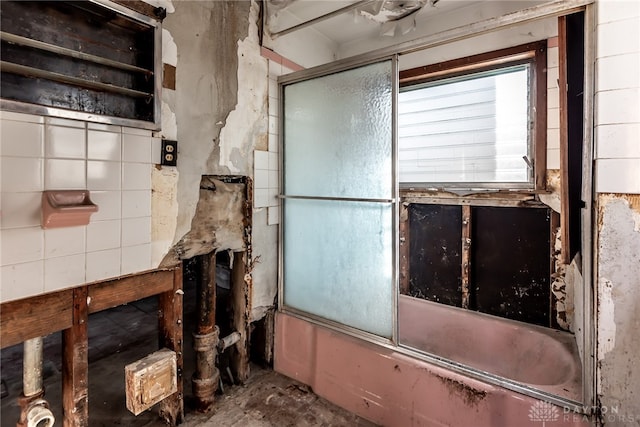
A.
pixel 618 141
pixel 135 258
pixel 63 272
pixel 20 209
pixel 617 37
pixel 104 145
pixel 21 245
pixel 266 163
pixel 553 110
pixel 273 215
pixel 136 231
pixel 21 117
pixel 109 205
pixel 103 235
pixel 261 179
pixel 20 280
pixel 65 143
pixel 136 203
pixel 22 139
pixel 103 175
pixel 136 148
pixel 618 176
pixel 618 106
pixel 618 72
pixel 617 99
pixel 103 264
pixel 136 176
pixel 20 174
pixel 63 174
pixel 113 162
pixel 64 241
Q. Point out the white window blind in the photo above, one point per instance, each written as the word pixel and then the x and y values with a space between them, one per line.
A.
pixel 467 130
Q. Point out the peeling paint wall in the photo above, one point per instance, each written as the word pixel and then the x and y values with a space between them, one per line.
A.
pixel 619 306
pixel 617 184
pixel 218 115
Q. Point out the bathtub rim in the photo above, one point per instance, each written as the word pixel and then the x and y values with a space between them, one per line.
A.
pixel 578 407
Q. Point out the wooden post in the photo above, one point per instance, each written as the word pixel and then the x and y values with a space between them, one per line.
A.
pixel 241 282
pixel 466 253
pixel 404 249
pixel 564 140
pixel 170 336
pixel 75 364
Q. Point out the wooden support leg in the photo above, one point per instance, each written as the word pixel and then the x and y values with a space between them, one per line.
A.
pixel 75 364
pixel 240 297
pixel 170 336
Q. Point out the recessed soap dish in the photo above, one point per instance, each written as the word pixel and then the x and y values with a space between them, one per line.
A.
pixel 66 208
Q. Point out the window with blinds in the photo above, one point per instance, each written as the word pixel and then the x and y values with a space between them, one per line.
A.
pixel 474 122
pixel 473 129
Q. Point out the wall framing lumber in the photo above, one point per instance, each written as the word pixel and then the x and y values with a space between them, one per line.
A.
pixel 109 294
pixel 404 248
pixel 68 311
pixel 564 139
pixel 35 317
pixel 171 336
pixel 75 364
pixel 241 300
pixel 466 254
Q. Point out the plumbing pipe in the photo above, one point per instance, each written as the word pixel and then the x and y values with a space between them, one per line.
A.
pixel 228 341
pixel 39 414
pixel 35 410
pixel 205 340
pixel 32 367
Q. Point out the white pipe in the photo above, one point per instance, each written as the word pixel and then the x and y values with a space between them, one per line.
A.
pixel 229 340
pixel 32 367
pixel 39 415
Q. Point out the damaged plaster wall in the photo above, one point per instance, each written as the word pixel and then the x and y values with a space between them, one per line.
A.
pixel 619 306
pixel 218 115
pixel 617 182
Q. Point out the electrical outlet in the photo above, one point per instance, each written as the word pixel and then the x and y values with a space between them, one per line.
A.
pixel 169 153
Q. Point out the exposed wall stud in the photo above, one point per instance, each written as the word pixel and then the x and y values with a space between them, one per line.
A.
pixel 170 336
pixel 75 364
pixel 466 253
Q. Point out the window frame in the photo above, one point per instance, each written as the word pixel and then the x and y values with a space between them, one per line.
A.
pixel 534 54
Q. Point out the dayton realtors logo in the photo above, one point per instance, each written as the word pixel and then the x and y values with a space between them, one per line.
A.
pixel 543 412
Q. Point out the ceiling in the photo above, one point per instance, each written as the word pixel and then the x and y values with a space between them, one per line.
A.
pixel 362 29
pixel 359 23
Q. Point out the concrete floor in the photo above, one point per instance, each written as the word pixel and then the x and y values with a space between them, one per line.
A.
pixel 273 400
pixel 127 333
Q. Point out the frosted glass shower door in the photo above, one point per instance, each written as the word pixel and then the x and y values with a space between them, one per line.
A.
pixel 339 190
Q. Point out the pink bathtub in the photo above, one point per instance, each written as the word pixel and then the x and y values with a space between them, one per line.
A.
pixel 540 357
pixel 394 389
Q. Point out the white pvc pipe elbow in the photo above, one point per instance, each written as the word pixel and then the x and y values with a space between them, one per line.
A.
pixel 39 415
